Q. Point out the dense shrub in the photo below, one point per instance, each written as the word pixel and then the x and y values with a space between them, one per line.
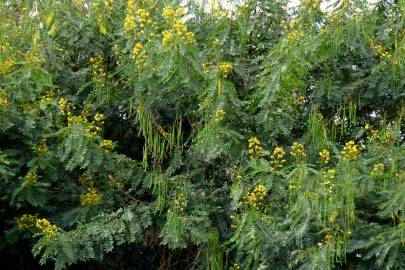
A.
pixel 147 135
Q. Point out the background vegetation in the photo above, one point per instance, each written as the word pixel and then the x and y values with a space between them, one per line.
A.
pixel 147 135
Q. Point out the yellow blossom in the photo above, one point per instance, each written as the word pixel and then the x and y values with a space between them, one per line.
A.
pixel 129 23
pixel 297 151
pixel 254 199
pixel 330 174
pixel 42 148
pixel 225 69
pixel 254 149
pixel 99 118
pixel 32 175
pixel 137 49
pixel 4 102
pixel 277 158
pixel 26 221
pixel 90 198
pixel 107 145
pixel 367 127
pixel 64 107
pixel 6 66
pixel 389 137
pixel 351 151
pixel 50 231
pixel 378 169
pixel 168 38
pixel 325 156
pixel 168 12
pixel 299 100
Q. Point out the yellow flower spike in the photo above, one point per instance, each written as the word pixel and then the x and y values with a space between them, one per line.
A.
pixel 225 69
pixel 6 66
pixel 50 231
pixel 4 102
pixel 254 148
pixel 168 12
pixel 32 175
pixel 325 156
pixel 297 151
pixel 277 158
pixel 351 151
pixel 168 38
pixel 378 169
pixel 107 145
pixel 137 49
pixel 26 221
pixel 90 198
pixel 299 101
pixel 99 117
pixel 330 174
pixel 254 198
pixel 42 148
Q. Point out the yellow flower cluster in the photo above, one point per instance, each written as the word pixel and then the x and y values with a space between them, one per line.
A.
pixel 91 197
pixel 65 109
pixel 3 100
pixel 330 174
pixel 99 118
pixel 219 115
pixel 373 135
pixel 299 101
pixel 379 50
pixel 255 150
pixel 389 137
pixel 225 69
pixel 129 23
pixel 134 16
pixel 277 158
pixel 180 202
pixel 139 54
pixel 32 175
pixel 42 148
pixel 297 151
pixel 7 66
pixel 254 199
pixel 325 156
pixel 108 4
pixel 92 129
pixel 294 36
pixel 137 49
pixel 48 97
pixel 50 231
pixel 178 30
pixel 351 151
pixel 378 169
pixel 99 73
pixel 168 38
pixel 107 145
pixel 26 221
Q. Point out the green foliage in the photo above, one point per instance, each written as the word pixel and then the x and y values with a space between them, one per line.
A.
pixel 205 137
